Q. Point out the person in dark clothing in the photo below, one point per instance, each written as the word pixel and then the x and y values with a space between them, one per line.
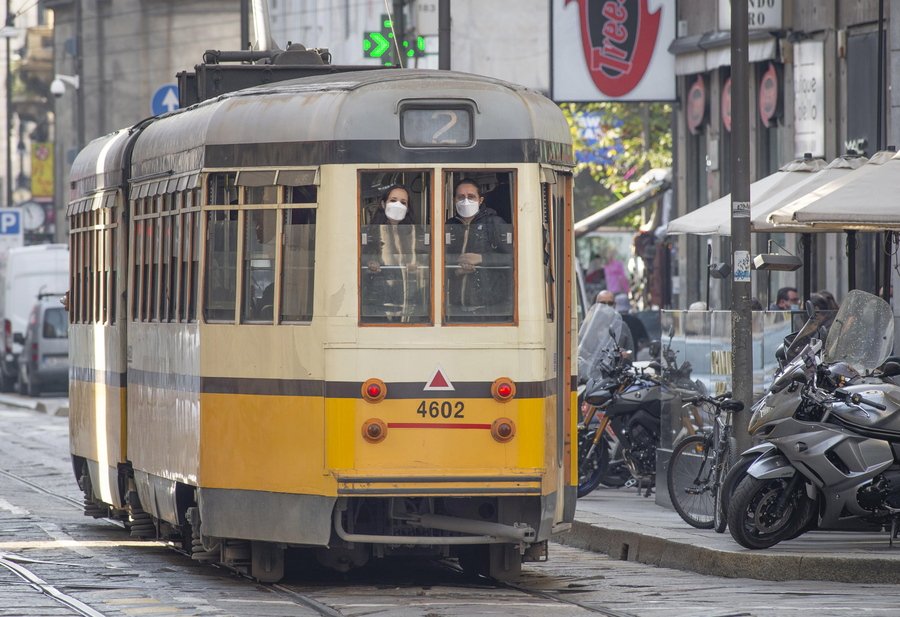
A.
pixel 478 259
pixel 390 256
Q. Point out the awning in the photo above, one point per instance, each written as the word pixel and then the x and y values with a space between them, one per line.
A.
pixel 651 185
pixel 704 52
pixel 865 199
pixel 715 217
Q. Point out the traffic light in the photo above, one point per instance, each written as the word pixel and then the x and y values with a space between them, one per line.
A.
pixel 381 44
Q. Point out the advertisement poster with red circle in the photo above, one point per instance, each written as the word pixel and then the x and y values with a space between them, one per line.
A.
pixel 606 50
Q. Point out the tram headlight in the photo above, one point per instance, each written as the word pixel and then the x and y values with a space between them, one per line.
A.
pixel 374 430
pixel 374 390
pixel 503 389
pixel 503 430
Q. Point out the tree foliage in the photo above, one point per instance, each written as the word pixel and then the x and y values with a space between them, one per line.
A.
pixel 633 138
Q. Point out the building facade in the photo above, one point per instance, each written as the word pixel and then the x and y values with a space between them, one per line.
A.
pixel 813 89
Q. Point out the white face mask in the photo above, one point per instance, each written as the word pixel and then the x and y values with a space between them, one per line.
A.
pixel 794 307
pixel 395 210
pixel 467 208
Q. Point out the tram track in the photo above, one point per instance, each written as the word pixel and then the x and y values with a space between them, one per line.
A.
pixel 289 592
pixel 41 586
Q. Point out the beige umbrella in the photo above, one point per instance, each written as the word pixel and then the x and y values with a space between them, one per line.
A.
pixel 865 199
pixel 715 217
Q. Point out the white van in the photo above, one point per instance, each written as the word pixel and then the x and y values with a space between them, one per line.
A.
pixel 30 271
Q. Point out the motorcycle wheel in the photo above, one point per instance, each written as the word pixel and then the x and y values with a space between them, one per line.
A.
pixel 731 478
pixel 589 471
pixel 690 480
pixel 754 518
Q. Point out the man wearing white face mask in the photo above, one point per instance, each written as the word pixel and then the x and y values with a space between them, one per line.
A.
pixel 390 286
pixel 478 259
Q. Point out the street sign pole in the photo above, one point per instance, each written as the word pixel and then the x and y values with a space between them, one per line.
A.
pixel 741 315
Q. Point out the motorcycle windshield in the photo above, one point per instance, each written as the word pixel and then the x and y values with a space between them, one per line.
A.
pixel 862 334
pixel 809 331
pixel 596 346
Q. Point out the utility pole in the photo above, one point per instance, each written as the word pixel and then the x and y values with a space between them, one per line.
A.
pixel 444 35
pixel 9 122
pixel 741 316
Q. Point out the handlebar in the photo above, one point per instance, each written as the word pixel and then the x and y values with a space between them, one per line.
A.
pixel 720 402
pixel 856 399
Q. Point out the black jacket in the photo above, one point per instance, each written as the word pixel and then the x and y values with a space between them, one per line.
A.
pixel 489 236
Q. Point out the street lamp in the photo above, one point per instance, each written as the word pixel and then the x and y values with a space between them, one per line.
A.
pixel 8 32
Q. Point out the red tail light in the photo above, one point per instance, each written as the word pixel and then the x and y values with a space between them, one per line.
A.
pixel 7 335
pixel 34 352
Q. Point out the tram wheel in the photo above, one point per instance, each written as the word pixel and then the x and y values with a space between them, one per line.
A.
pixel 502 562
pixel 266 561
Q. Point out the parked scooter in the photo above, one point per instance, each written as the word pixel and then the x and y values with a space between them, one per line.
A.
pixel 829 423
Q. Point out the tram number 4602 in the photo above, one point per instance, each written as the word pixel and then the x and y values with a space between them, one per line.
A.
pixel 441 409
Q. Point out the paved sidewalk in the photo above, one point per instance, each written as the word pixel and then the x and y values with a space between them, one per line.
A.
pixel 627 526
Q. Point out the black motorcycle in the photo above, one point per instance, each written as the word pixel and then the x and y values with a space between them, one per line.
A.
pixel 627 402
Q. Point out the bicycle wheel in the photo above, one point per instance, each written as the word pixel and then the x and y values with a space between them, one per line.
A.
pixel 720 520
pixel 690 478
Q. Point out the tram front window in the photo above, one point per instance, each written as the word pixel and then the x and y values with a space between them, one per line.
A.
pixel 395 248
pixel 479 256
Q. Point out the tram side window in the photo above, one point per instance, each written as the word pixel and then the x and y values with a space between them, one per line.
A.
pixel 221 265
pixel 258 294
pixel 548 209
pixel 479 255
pixel 136 260
pixel 395 247
pixel 222 189
pixel 195 266
pixel 298 263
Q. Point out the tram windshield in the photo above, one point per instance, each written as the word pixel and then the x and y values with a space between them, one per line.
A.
pixel 395 247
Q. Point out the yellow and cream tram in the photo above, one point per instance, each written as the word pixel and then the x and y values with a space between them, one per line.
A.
pixel 261 360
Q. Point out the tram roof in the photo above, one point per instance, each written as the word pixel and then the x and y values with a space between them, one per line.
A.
pixel 99 164
pixel 345 118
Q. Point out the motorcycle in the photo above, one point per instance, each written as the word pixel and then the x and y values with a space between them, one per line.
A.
pixel 599 363
pixel 627 399
pixel 830 421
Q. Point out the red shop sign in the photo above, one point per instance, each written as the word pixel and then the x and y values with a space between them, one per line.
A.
pixel 768 95
pixel 696 105
pixel 726 104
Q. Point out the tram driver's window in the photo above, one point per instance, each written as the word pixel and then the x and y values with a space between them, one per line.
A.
pixel 479 256
pixel 395 247
pixel 221 265
pixel 259 266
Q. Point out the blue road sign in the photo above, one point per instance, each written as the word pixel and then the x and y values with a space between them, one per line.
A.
pixel 165 99
pixel 10 222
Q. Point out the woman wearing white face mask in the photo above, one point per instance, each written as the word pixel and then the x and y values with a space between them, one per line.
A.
pixel 477 253
pixel 389 290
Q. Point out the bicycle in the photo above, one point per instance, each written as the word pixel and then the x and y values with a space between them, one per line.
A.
pixel 699 465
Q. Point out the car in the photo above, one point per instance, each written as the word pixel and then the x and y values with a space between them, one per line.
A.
pixel 28 272
pixel 44 361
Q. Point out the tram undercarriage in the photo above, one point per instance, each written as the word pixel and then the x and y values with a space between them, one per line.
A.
pixel 489 535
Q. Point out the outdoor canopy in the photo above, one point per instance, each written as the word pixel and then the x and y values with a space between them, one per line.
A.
pixel 864 200
pixel 715 217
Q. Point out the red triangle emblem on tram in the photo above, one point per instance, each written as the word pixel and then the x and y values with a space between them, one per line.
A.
pixel 438 381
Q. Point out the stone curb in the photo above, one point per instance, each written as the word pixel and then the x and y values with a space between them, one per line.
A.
pixel 39 406
pixel 665 553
